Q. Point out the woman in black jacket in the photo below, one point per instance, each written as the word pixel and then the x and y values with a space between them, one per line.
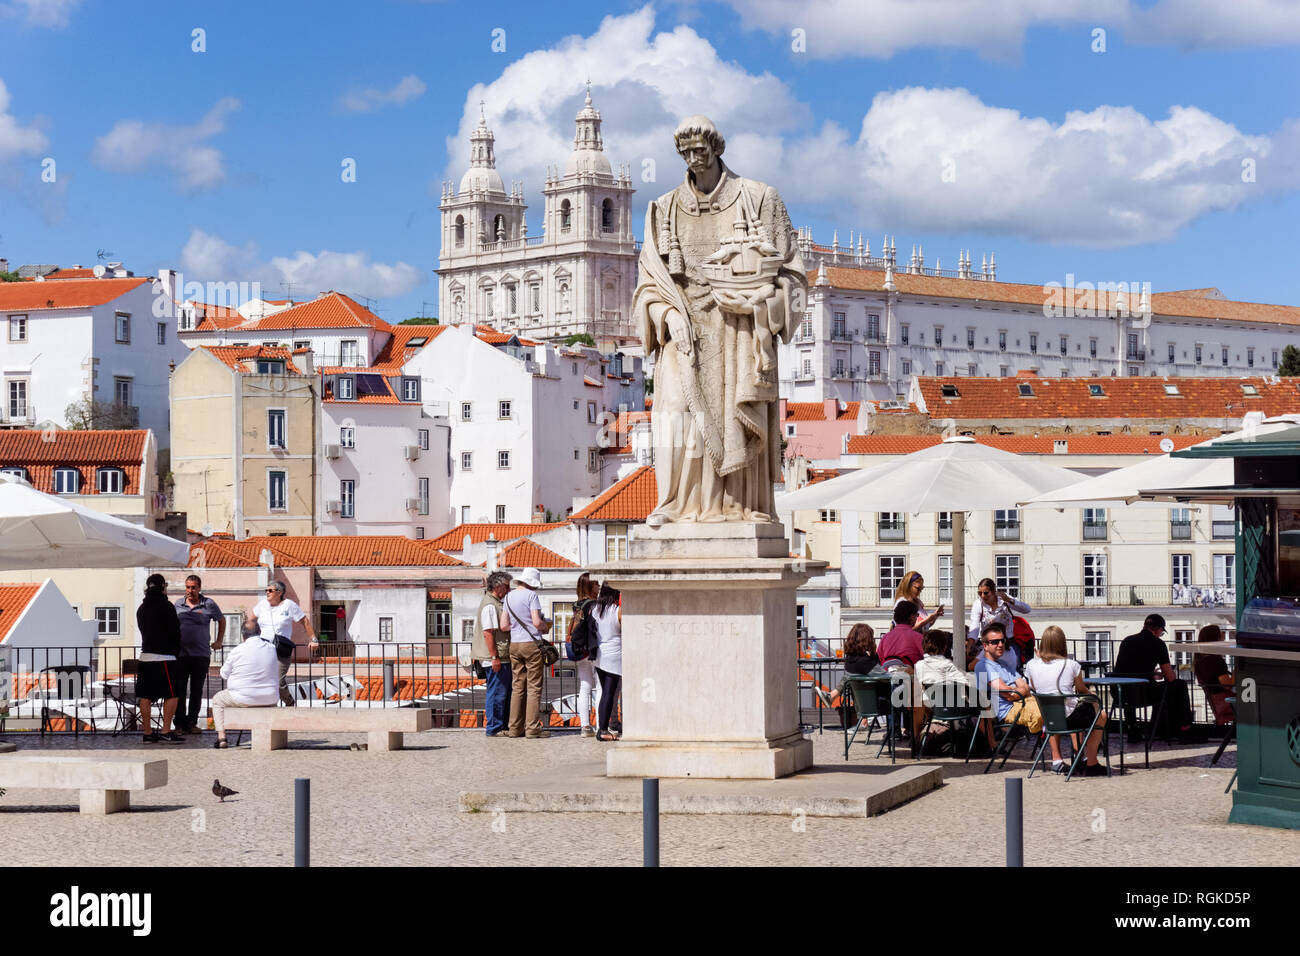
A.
pixel 160 642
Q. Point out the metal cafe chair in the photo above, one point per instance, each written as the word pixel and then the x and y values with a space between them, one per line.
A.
pixel 940 698
pixel 869 697
pixel 1011 733
pixel 1056 724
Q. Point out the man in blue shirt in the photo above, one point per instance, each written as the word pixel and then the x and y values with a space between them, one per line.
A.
pixel 195 614
pixel 993 677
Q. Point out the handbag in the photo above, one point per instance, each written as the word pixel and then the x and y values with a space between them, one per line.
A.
pixel 283 646
pixel 550 653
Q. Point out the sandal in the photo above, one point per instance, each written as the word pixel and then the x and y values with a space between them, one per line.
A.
pixel 221 745
pixel 606 736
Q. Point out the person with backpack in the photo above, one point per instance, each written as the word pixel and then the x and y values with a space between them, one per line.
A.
pixel 583 646
pixel 993 606
pixel 608 614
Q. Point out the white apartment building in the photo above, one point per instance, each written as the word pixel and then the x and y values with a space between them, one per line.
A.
pixel 101 334
pixel 578 276
pixel 871 326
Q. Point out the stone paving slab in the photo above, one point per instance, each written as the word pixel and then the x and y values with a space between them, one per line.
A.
pixel 825 791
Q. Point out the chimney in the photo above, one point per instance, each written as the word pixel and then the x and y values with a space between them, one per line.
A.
pixel 782 404
pixel 305 359
pixel 4 265
pixel 830 409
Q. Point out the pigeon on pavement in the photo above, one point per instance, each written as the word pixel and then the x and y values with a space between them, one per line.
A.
pixel 222 792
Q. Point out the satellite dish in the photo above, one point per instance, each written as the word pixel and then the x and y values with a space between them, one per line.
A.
pixel 206 531
pixel 1166 445
pixel 99 271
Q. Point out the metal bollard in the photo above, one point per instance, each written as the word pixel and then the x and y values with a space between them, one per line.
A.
pixel 1015 794
pixel 389 683
pixel 650 821
pixel 302 822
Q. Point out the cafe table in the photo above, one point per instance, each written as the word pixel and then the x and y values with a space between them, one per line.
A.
pixel 1115 686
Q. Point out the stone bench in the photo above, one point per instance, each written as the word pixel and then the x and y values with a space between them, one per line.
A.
pixel 383 726
pixel 105 782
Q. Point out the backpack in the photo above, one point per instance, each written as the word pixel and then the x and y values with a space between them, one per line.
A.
pixel 584 639
pixel 1022 635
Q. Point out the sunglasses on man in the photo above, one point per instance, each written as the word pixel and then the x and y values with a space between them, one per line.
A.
pixel 994 640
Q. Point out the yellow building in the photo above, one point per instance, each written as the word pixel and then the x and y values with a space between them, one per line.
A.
pixel 244 428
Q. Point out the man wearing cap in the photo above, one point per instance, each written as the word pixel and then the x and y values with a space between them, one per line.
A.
pixel 491 648
pixel 527 625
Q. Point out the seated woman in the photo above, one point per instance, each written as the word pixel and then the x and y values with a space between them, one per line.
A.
pixel 936 667
pixel 1053 672
pixel 860 657
pixel 1214 677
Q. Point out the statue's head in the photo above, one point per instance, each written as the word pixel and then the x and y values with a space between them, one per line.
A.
pixel 698 142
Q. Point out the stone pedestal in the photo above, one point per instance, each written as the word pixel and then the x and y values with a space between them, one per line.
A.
pixel 709 685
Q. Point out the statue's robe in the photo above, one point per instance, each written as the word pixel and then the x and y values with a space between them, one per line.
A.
pixel 715 421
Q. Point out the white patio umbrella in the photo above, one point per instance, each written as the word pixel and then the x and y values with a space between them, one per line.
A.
pixel 957 475
pixel 44 531
pixel 1128 484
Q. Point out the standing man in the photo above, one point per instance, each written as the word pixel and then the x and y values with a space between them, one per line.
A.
pixel 492 649
pixel 196 614
pixel 160 642
pixel 527 625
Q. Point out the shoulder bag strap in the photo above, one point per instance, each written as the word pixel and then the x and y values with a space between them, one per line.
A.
pixel 536 640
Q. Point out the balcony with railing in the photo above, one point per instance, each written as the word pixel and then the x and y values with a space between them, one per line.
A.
pixel 1136 355
pixel 1094 531
pixel 1180 530
pixel 1066 596
pixel 1006 530
pixel 892 529
pixel 17 414
pixel 945 528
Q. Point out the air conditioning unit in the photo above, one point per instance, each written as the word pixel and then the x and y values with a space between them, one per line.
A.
pixel 411 452
pixel 333 506
pixel 333 451
pixel 412 504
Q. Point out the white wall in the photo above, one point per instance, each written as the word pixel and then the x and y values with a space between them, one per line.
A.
pixel 48 621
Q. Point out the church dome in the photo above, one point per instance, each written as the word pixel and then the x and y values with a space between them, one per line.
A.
pixel 482 179
pixel 482 175
pixel 588 154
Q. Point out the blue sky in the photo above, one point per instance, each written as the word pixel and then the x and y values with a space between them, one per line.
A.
pixel 1117 165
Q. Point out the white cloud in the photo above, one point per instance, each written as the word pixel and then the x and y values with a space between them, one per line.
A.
pixel 41 13
pixel 996 28
pixel 134 145
pixel 16 140
pixel 1108 176
pixel 209 258
pixel 371 99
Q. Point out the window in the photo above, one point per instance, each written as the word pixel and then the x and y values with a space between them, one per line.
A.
pixel 945 578
pixel 1033 341
pixel 945 526
pixel 1065 344
pixel 591 413
pixel 347 499
pixel 1172 391
pixel 1006 569
pixel 873 326
pixel 905 366
pixel 503 459
pixel 1004 371
pixel 593 459
pixel 1094 577
pixel 938 335
pixel 1097 645
pixel 1025 389
pixel 67 481
pixel 806 330
pixel 122 391
pixel 1092 347
pixel 1180 570
pixel 839 364
pixel 615 542
pixel 466 411
pixel 892 526
pixel 1222 525
pixel 277 490
pixel 108 621
pixel 348 353
pixel 1198 355
pixel 1250 391
pixel 566 216
pixel 1225 355
pixel 1002 341
pixel 275 426
pixel 534 297
pixel 1275 361
pixel 789 432
pixel 1225 570
pixel 419 532
pixel 903 333
pixel 891 575
pixel 109 481
pixel 949 391
pixel 348 436
pixel 17 328
pixel 162 333
pixel 971 371
pixel 828 514
pixel 270 366
pixel 422 496
pixel 1180 524
pixel 467 461
pixel 503 409
pixel 1172 354
pixel 346 387
pixel 938 368
pixel 422 438
pixel 1096 391
pixel 15 471
pixel 512 299
pixel 837 325
pixel 873 363
pixel 970 338
pixel 385 629
pixel 464 514
pixel 122 327
pixel 501 514
pixel 410 389
pixel 1006 525
pixel 459 231
pixel 1094 524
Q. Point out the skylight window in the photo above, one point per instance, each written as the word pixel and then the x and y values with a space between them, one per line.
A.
pixel 1026 390
pixel 1172 390
pixel 417 342
pixel 1249 390
pixel 950 391
pixel 1096 391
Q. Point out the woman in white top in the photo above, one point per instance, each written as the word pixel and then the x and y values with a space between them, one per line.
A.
pixel 994 605
pixel 1052 672
pixel 275 616
pixel 608 613
pixel 909 589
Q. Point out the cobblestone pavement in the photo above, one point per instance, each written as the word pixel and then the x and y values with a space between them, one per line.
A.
pixel 401 809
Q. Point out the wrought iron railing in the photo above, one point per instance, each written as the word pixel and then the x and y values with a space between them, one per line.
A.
pixel 1071 596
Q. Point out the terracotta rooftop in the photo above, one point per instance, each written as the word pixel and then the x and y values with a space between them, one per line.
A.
pixel 1194 303
pixel 816 412
pixel 320 551
pixel 629 499
pixel 243 358
pixel 526 553
pixel 333 310
pixel 1128 397
pixel 404 344
pixel 83 450
pixel 478 532
pixel 14 599
pixel 492 337
pixel 822 474
pixel 64 294
pixel 1026 444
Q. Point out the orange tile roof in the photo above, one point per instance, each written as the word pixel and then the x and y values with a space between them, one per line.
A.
pixel 492 337
pixel 14 599
pixel 65 274
pixel 526 553
pixel 822 474
pixel 816 412
pixel 237 357
pixel 1026 444
pixel 630 499
pixel 592 382
pixel 398 350
pixel 319 551
pixel 1191 303
pixel 439 595
pixel 478 533
pixel 910 409
pixel 65 294
pixel 386 396
pixel 1128 397
pixel 83 450
pixel 333 310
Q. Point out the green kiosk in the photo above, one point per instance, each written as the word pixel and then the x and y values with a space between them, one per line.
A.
pixel 1266 497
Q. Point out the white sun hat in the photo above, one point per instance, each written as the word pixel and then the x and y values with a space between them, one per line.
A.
pixel 531 577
